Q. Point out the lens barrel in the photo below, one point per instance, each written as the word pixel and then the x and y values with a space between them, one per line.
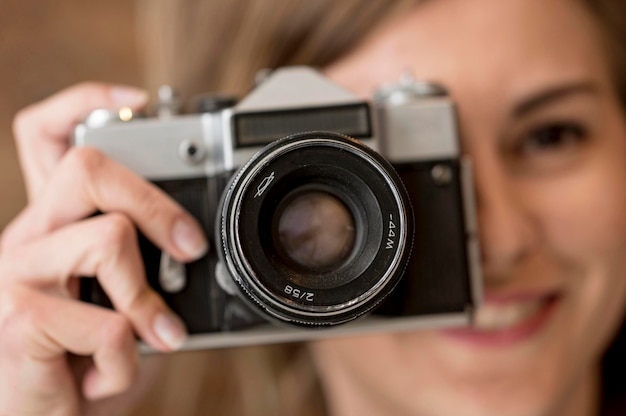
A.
pixel 316 229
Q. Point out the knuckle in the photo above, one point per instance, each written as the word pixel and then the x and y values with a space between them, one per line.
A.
pixel 12 301
pixel 85 161
pixel 7 238
pixel 144 299
pixel 117 231
pixel 118 334
pixel 16 306
pixel 15 232
pixel 155 204
pixel 89 86
pixel 21 124
pixel 90 94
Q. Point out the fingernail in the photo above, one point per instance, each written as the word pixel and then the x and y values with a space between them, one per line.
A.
pixel 128 96
pixel 171 330
pixel 189 239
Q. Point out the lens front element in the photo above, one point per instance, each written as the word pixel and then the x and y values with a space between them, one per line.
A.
pixel 316 229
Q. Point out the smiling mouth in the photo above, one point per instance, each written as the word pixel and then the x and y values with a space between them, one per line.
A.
pixel 505 315
pixel 501 322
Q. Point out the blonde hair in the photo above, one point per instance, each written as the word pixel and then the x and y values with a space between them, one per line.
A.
pixel 218 46
pixel 251 381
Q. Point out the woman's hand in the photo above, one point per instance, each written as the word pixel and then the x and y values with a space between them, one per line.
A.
pixel 54 240
pixel 42 130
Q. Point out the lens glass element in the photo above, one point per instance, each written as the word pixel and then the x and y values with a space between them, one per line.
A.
pixel 315 230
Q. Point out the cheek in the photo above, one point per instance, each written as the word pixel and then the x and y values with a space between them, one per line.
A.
pixel 583 224
pixel 583 216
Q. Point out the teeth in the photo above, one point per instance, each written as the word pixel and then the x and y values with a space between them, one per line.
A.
pixel 497 317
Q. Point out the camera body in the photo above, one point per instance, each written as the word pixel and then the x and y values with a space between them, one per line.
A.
pixel 299 188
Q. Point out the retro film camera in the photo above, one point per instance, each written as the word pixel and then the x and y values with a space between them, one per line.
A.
pixel 310 227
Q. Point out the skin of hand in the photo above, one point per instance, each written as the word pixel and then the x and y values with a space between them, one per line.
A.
pixel 56 238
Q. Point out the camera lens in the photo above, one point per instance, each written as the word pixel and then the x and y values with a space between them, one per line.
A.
pixel 315 230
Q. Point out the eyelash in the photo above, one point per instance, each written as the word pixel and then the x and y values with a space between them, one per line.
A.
pixel 552 137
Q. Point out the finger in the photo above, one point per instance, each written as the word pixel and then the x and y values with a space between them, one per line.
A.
pixel 86 182
pixel 38 329
pixel 105 247
pixel 42 130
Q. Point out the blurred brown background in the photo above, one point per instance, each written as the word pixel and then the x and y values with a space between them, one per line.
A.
pixel 47 45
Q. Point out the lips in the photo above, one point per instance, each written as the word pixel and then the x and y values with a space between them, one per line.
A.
pixel 508 320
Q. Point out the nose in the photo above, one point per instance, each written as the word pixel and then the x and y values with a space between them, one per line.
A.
pixel 508 232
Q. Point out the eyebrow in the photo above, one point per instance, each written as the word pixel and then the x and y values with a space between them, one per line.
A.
pixel 553 94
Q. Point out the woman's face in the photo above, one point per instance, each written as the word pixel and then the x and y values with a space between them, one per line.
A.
pixel 540 119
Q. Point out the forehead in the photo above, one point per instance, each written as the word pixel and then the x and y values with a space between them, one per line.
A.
pixel 517 44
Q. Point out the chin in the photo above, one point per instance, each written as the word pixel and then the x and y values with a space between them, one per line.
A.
pixel 510 397
pixel 465 379
pixel 502 395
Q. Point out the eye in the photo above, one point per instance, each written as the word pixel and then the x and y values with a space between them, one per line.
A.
pixel 549 147
pixel 551 138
